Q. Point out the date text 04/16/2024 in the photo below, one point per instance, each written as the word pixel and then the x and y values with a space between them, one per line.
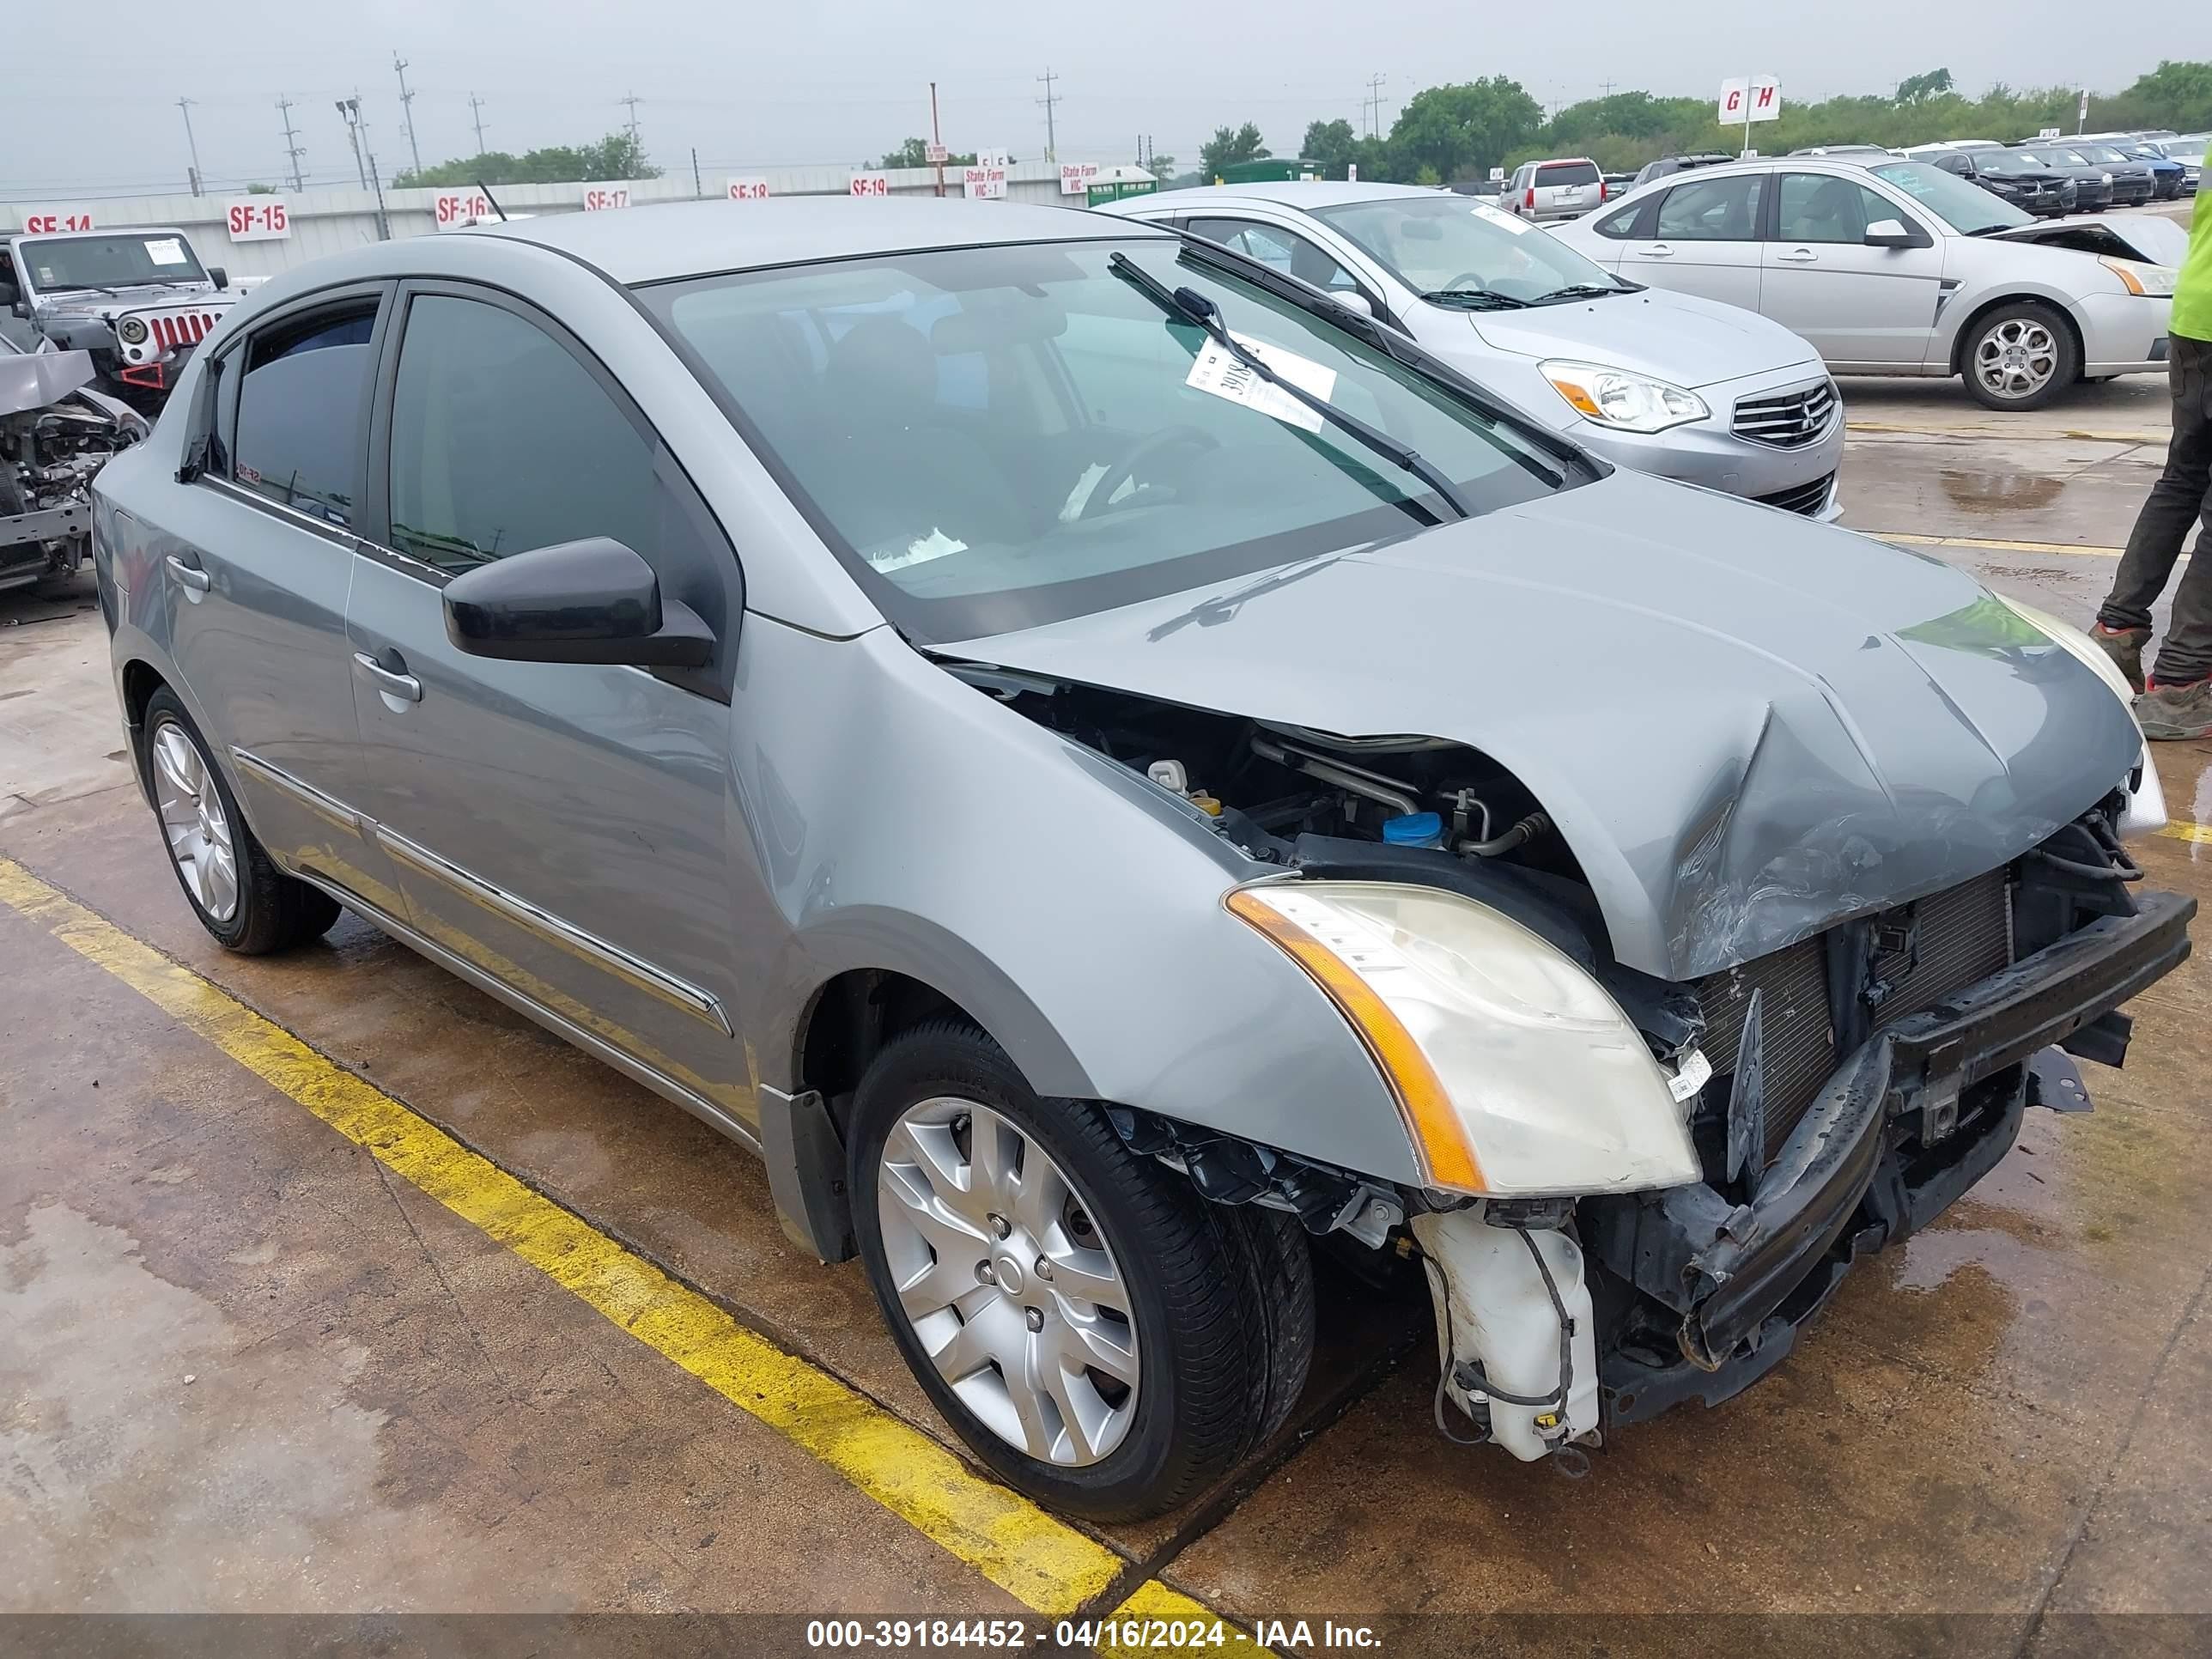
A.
pixel 1083 1635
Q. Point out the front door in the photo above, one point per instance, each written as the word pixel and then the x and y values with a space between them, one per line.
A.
pixel 255 581
pixel 1858 306
pixel 1705 241
pixel 559 827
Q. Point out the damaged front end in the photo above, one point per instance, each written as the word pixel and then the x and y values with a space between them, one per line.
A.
pixel 1635 1189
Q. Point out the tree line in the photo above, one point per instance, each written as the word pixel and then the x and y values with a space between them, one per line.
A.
pixel 1460 131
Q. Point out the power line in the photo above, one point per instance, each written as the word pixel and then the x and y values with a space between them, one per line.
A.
pixel 293 149
pixel 475 112
pixel 407 108
pixel 1050 97
pixel 186 105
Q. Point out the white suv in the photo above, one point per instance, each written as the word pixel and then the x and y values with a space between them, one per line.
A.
pixel 1565 189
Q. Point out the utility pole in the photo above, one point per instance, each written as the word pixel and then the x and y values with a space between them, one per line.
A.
pixel 1050 97
pixel 698 190
pixel 633 100
pixel 936 137
pixel 349 112
pixel 1373 105
pixel 1606 87
pixel 186 105
pixel 407 108
pixel 476 114
pixel 293 149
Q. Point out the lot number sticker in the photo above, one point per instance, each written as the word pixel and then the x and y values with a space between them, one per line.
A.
pixel 1220 374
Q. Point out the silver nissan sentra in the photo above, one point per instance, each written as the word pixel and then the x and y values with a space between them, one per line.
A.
pixel 1057 737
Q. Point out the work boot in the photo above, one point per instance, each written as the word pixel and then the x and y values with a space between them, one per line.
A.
pixel 2171 712
pixel 2124 646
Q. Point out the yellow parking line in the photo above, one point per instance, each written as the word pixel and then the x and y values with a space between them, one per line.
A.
pixel 1992 543
pixel 2199 832
pixel 1043 1563
pixel 1913 429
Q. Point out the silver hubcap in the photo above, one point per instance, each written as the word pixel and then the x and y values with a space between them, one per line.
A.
pixel 192 819
pixel 1008 1281
pixel 2016 358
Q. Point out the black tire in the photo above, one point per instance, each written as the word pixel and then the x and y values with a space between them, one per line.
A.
pixel 1221 1298
pixel 274 911
pixel 2067 368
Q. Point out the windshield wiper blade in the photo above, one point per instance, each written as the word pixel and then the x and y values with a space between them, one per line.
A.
pixel 1193 307
pixel 1578 291
pixel 1475 298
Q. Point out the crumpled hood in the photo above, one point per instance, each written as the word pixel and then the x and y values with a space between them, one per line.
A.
pixel 1747 726
pixel 1676 337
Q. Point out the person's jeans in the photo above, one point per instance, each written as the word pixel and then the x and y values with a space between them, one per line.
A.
pixel 2182 497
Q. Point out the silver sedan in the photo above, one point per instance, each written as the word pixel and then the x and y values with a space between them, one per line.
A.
pixel 1896 267
pixel 1661 382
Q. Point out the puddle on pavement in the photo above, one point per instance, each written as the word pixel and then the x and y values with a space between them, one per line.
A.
pixel 1993 493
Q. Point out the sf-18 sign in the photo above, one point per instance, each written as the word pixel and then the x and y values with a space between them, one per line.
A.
pixel 451 210
pixel 53 222
pixel 1758 98
pixel 260 219
pixel 597 198
pixel 749 190
pixel 871 183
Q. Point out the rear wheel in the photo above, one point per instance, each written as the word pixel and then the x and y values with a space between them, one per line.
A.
pixel 1100 1335
pixel 2020 356
pixel 244 901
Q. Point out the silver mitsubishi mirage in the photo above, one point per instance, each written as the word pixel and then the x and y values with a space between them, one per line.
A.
pixel 1053 735
pixel 1683 386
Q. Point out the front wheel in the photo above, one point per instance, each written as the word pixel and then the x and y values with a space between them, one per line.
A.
pixel 1101 1336
pixel 244 901
pixel 2020 356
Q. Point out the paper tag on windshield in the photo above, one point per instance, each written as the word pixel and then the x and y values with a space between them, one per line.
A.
pixel 166 251
pixel 1503 220
pixel 1218 372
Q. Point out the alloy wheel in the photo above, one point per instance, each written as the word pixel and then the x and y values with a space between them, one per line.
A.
pixel 1009 1284
pixel 2017 358
pixel 194 822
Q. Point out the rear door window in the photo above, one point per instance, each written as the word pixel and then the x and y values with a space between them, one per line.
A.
pixel 1712 209
pixel 1620 224
pixel 301 419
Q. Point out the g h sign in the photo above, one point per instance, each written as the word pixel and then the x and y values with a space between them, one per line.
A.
pixel 1756 98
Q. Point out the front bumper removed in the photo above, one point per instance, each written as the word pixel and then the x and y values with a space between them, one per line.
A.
pixel 1919 1113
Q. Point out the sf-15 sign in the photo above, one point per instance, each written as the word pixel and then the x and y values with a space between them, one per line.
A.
pixel 260 219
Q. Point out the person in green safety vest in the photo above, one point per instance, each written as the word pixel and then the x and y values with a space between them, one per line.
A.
pixel 2176 701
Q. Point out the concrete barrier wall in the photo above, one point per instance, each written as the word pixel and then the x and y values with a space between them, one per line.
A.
pixel 325 221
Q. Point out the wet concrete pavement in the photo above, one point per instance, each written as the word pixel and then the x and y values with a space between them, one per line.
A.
pixel 2006 1419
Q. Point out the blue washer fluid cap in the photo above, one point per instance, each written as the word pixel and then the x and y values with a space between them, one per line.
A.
pixel 1415 829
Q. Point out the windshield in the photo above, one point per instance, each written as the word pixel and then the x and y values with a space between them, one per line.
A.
pixel 2099 154
pixel 66 262
pixel 996 438
pixel 2057 158
pixel 1447 244
pixel 1963 205
pixel 2007 163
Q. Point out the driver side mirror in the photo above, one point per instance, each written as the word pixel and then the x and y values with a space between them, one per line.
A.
pixel 1890 233
pixel 592 601
pixel 1353 299
pixel 219 277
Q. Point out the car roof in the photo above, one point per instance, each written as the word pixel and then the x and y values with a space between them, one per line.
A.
pixel 691 238
pixel 1289 192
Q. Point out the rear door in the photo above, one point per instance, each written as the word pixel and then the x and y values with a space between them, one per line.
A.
pixel 1859 306
pixel 561 827
pixel 256 576
pixel 1568 188
pixel 1703 239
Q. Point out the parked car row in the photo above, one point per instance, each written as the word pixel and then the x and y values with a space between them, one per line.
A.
pixel 1900 267
pixel 1048 728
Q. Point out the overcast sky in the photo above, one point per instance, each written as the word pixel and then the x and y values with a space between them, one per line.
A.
pixel 840 81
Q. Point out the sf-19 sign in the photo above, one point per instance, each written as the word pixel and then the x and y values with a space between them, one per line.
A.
pixel 871 183
pixel 260 219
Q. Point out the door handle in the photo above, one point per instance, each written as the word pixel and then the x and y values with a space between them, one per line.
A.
pixel 190 574
pixel 1797 256
pixel 1656 251
pixel 389 681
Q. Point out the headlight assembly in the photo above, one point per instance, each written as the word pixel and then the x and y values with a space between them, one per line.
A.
pixel 132 330
pixel 2149 281
pixel 1516 1074
pixel 1626 401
